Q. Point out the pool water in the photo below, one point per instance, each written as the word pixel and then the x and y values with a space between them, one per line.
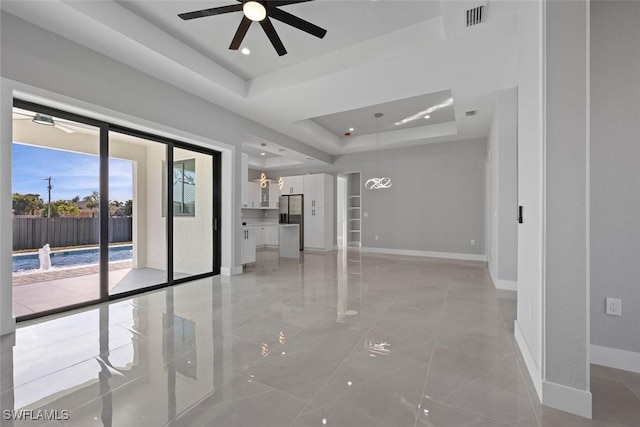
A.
pixel 71 258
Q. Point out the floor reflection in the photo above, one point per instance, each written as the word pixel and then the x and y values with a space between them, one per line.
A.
pixel 345 337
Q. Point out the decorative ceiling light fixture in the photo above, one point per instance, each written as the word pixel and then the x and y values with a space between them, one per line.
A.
pixel 263 180
pixel 280 183
pixel 385 181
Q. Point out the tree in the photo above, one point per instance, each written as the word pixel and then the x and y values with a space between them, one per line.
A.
pixel 128 208
pixel 93 201
pixel 26 204
pixel 62 208
pixel 116 208
pixel 76 199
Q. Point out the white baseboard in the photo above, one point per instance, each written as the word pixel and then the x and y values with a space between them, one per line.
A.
pixel 448 255
pixel 508 285
pixel 529 361
pixel 567 399
pixel 231 271
pixel 615 358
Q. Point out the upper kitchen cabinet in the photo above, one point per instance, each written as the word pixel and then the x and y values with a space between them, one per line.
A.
pixel 274 196
pixel 318 189
pixel 293 185
pixel 244 181
pixel 253 195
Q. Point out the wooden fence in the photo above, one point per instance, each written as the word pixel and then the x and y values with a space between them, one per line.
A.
pixel 34 233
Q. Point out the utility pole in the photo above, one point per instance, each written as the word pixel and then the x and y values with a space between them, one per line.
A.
pixel 49 187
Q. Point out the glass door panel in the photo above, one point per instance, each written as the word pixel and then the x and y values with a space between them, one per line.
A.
pixel 137 223
pixel 192 205
pixel 56 228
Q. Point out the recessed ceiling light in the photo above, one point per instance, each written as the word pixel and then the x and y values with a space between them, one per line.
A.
pixel 427 116
pixel 351 129
pixel 245 51
pixel 262 154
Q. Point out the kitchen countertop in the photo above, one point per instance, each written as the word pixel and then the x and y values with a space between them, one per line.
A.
pixel 268 224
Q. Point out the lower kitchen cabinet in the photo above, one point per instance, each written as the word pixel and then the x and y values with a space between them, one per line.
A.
pixel 248 245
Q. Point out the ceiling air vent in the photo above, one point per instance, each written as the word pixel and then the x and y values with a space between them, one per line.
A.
pixel 471 113
pixel 476 15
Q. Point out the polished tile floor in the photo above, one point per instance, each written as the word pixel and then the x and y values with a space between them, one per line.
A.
pixel 339 339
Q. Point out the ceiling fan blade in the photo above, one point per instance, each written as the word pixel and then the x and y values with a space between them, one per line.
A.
pixel 209 12
pixel 277 3
pixel 240 33
pixel 296 22
pixel 267 26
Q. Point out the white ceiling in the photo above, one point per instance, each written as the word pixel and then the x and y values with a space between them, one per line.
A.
pixel 392 54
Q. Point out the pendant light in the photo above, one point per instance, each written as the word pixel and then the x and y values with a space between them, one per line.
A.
pixel 383 182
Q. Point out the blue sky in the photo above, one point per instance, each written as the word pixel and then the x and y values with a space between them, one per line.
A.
pixel 73 174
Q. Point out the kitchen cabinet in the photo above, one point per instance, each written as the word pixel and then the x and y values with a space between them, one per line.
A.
pixel 253 199
pixel 274 196
pixel 259 236
pixel 293 185
pixel 316 189
pixel 244 181
pixel 314 228
pixel 248 245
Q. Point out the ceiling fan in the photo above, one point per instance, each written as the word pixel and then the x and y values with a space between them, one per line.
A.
pixel 261 11
pixel 44 119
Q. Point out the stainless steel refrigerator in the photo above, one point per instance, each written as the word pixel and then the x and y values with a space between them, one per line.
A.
pixel 291 212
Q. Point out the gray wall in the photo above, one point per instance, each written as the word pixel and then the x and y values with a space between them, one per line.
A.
pixel 436 203
pixel 566 257
pixel 503 192
pixel 615 180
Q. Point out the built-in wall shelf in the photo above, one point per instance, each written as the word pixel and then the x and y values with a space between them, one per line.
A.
pixel 354 209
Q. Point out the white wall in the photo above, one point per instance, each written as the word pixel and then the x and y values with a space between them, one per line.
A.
pixel 435 206
pixel 615 181
pixel 566 320
pixel 552 320
pixel 528 327
pixel 502 231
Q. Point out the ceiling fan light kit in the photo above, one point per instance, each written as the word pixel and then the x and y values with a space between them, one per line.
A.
pixel 254 10
pixel 260 11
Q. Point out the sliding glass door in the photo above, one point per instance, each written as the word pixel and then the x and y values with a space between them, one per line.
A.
pixel 102 212
pixel 56 189
pixel 192 209
pixel 137 222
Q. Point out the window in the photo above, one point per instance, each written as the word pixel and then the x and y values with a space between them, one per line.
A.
pixel 184 187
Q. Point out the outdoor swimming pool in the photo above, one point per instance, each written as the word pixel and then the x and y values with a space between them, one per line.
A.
pixel 71 258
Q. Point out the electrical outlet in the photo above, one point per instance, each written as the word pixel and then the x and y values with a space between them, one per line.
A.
pixel 614 306
pixel 376 237
pixel 473 242
pixel 366 214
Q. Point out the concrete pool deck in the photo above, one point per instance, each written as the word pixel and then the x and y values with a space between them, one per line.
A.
pixel 46 290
